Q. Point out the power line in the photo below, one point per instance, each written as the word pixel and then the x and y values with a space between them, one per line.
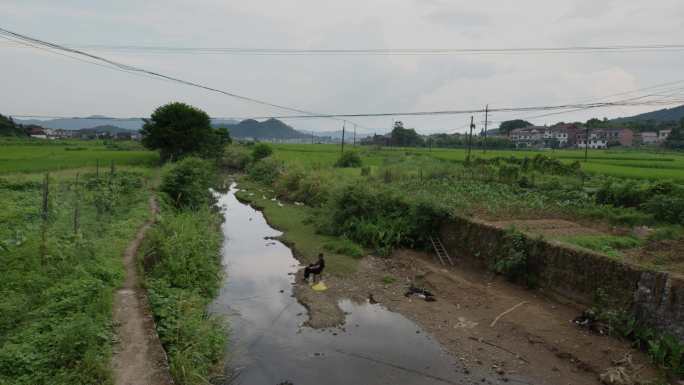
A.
pixel 376 51
pixel 33 42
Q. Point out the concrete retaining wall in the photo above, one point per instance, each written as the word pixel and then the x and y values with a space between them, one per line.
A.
pixel 655 298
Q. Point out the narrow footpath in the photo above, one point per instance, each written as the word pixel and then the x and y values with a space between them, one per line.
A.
pixel 139 358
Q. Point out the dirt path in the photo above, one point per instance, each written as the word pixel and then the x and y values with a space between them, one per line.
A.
pixel 536 340
pixel 139 358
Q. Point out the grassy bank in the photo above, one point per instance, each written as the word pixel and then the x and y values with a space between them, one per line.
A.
pixel 61 261
pixel 298 230
pixel 398 196
pixel 181 260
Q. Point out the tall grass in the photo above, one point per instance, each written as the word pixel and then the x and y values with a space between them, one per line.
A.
pixel 56 305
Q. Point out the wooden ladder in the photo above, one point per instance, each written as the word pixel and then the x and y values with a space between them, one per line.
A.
pixel 440 250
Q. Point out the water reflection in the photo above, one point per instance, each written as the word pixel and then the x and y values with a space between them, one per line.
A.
pixel 268 343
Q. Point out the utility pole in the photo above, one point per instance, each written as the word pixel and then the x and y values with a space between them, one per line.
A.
pixel 586 144
pixel 485 131
pixel 470 138
pixel 312 137
pixel 343 127
pixel 354 134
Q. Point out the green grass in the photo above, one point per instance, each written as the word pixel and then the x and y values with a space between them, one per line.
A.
pixel 30 157
pixel 298 232
pixel 56 304
pixel 440 179
pixel 631 163
pixel 610 245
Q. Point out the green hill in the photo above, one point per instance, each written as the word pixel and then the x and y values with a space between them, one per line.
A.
pixel 268 129
pixel 661 116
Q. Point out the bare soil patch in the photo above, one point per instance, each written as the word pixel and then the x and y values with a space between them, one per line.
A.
pixel 139 358
pixel 535 340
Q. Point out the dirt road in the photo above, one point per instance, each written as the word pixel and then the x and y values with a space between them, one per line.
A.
pixel 139 358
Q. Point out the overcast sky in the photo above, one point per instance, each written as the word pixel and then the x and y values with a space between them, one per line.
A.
pixel 37 82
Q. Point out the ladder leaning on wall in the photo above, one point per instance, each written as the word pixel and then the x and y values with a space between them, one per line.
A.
pixel 440 250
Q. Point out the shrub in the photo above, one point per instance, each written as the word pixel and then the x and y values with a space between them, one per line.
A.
pixel 344 247
pixel 235 159
pixel 513 262
pixel 666 208
pixel 261 151
pixel 313 190
pixel 380 219
pixel 288 183
pixel 187 183
pixel 349 159
pixel 266 171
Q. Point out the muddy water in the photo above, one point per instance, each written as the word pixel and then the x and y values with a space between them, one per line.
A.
pixel 269 345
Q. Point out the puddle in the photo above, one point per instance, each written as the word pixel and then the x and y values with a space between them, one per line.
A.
pixel 268 343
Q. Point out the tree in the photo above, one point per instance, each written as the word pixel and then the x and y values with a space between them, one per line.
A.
pixel 675 140
pixel 510 125
pixel 178 130
pixel 405 137
pixel 9 128
pixel 261 151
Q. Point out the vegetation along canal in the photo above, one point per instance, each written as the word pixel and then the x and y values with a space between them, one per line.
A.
pixel 269 344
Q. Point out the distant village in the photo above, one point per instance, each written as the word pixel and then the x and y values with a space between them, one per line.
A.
pixel 561 135
pixel 574 136
pixel 38 132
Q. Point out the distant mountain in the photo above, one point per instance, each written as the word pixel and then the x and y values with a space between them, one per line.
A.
pixel 89 122
pixel 661 116
pixel 106 128
pixel 268 129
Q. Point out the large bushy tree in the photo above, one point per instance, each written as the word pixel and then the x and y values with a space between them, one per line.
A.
pixel 405 137
pixel 506 127
pixel 178 130
pixel 9 128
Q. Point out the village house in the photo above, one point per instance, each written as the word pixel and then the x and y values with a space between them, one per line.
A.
pixel 648 138
pixel 37 132
pixel 558 136
pixel 597 139
pixel 662 135
pixel 622 136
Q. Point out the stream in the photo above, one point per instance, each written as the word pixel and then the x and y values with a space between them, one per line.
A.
pixel 268 344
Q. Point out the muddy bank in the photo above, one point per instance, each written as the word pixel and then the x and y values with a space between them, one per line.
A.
pixel 537 340
pixel 657 298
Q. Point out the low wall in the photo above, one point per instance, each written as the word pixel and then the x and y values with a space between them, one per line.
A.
pixel 655 298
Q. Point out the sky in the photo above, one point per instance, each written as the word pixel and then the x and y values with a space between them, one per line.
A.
pixel 37 82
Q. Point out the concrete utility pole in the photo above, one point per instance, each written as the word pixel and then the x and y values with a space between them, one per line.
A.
pixel 312 137
pixel 485 131
pixel 343 127
pixel 470 139
pixel 355 135
pixel 586 144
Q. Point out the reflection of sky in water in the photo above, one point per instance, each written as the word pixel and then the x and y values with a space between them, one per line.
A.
pixel 268 345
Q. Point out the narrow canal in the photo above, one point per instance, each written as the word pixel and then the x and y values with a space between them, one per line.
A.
pixel 269 345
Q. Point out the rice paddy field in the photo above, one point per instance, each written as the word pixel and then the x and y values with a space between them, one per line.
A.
pixel 626 163
pixel 36 156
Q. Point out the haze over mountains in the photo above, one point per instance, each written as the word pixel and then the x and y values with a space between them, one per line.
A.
pixel 274 128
